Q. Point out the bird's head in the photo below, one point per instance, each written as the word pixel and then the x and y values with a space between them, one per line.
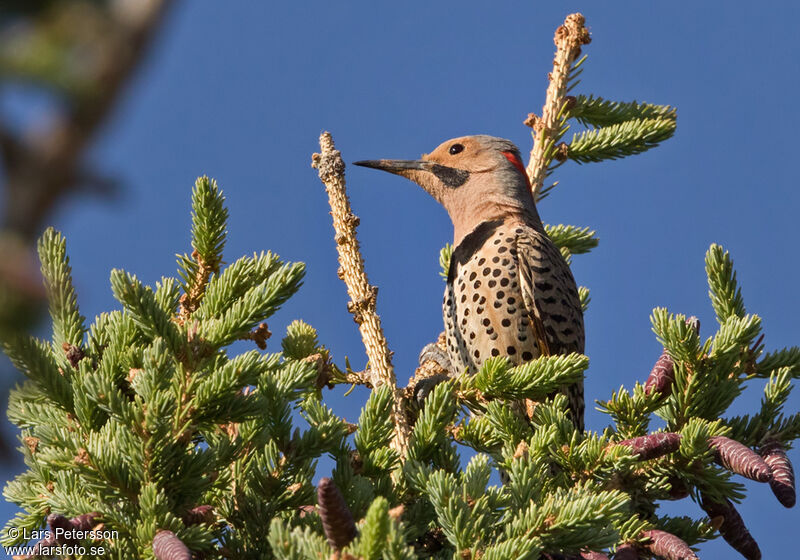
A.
pixel 476 178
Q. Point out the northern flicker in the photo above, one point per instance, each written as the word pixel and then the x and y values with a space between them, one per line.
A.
pixel 509 290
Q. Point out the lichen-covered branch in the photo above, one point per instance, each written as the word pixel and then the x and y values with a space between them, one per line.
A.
pixel 363 296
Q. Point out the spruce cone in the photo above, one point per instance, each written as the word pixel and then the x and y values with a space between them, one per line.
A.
pixel 84 522
pixel 662 376
pixel 337 521
pixel 653 445
pixel 591 555
pixel 626 552
pixel 167 546
pixel 732 529
pixel 668 546
pixel 782 482
pixel 678 489
pixel 739 459
pixel 57 521
pixel 198 515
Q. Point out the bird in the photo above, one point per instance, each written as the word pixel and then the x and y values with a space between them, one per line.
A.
pixel 509 290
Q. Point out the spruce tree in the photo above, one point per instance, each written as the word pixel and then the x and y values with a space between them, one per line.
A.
pixel 145 434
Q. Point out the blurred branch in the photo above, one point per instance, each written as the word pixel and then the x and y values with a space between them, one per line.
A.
pixel 42 166
pixel 81 54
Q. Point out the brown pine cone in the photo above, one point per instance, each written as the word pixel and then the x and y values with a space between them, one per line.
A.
pixel 739 459
pixel 337 521
pixel 653 445
pixel 167 546
pixel 733 529
pixel 782 482
pixel 668 546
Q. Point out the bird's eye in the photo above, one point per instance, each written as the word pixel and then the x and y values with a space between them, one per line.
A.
pixel 456 149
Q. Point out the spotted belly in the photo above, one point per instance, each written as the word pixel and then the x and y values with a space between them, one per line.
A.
pixel 483 308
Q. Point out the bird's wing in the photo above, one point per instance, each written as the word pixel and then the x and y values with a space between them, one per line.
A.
pixel 552 302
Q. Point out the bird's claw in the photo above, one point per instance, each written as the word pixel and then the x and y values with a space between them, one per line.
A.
pixel 434 353
pixel 425 386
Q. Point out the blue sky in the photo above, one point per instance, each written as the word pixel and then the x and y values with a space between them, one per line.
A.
pixel 241 91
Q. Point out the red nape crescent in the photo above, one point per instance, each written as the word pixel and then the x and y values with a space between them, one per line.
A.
pixel 512 157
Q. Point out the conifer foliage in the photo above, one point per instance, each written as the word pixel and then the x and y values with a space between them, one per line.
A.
pixel 147 423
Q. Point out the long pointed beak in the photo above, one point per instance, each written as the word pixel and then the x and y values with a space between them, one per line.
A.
pixel 397 166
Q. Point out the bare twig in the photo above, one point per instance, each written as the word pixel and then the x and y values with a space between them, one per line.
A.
pixel 568 39
pixel 363 296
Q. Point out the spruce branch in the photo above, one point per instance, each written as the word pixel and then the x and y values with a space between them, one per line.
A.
pixel 363 296
pixel 571 240
pixel 533 380
pixel 598 112
pixel 444 260
pixel 548 129
pixel 68 323
pixel 209 222
pixel 725 294
pixel 35 359
pixel 619 140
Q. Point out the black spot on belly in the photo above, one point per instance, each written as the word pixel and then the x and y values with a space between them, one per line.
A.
pixel 527 356
pixel 511 350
